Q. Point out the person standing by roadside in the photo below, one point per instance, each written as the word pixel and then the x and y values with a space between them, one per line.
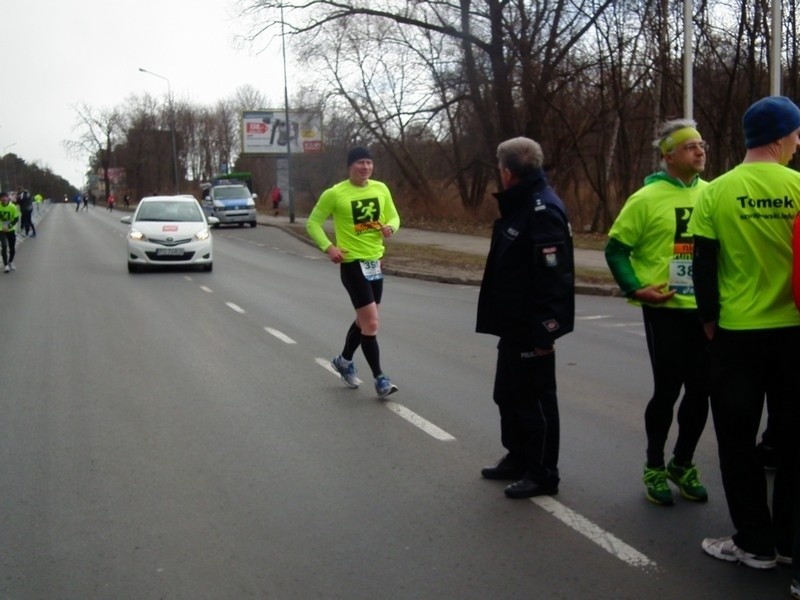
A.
pixel 527 299
pixel 25 203
pixel 37 200
pixel 275 196
pixel 9 217
pixel 110 201
pixel 364 215
pixel 742 227
pixel 649 252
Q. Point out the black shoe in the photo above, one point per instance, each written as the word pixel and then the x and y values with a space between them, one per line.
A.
pixel 505 469
pixel 527 488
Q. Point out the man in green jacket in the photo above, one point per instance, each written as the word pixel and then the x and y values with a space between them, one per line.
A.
pixel 649 252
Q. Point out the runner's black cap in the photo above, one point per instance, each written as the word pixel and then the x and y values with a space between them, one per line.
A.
pixel 358 153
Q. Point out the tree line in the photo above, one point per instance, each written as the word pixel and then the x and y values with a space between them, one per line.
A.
pixel 434 86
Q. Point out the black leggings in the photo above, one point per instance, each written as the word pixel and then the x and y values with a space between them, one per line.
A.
pixel 680 359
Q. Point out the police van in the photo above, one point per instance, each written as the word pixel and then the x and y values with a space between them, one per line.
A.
pixel 230 201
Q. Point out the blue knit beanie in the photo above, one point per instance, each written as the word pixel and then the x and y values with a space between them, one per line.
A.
pixel 769 120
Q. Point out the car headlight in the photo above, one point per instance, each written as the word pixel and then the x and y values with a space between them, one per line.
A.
pixel 137 235
pixel 251 204
pixel 203 234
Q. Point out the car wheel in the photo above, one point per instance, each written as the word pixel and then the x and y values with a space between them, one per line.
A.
pixel 253 223
pixel 132 268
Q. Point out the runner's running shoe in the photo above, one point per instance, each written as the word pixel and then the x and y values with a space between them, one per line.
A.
pixel 655 481
pixel 384 386
pixel 347 373
pixel 686 480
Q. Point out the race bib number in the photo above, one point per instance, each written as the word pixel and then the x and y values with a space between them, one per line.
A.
pixel 371 269
pixel 680 277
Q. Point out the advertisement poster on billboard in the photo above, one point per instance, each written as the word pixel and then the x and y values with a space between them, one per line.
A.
pixel 267 132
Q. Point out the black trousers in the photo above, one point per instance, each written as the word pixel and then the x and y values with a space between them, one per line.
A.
pixel 746 366
pixel 680 359
pixel 8 242
pixel 26 221
pixel 525 393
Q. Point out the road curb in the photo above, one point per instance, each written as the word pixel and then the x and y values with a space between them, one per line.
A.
pixel 581 287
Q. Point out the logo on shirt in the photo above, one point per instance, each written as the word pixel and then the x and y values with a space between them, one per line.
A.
pixel 366 215
pixel 684 245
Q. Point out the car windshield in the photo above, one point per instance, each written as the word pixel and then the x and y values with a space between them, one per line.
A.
pixel 169 211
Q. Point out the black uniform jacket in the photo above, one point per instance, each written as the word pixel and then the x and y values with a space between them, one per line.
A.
pixel 527 294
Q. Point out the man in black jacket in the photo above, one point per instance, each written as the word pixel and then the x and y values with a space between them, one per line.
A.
pixel 527 299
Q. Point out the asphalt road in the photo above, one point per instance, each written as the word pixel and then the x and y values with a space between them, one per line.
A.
pixel 177 435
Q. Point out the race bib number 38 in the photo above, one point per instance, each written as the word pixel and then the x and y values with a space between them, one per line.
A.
pixel 371 269
pixel 680 277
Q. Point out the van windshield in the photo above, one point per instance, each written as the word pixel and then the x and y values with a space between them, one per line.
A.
pixel 231 193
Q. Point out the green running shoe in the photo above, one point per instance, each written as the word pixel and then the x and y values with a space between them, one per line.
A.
pixel 655 480
pixel 686 480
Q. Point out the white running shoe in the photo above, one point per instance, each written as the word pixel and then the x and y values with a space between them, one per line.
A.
pixel 6 269
pixel 726 549
pixel 13 266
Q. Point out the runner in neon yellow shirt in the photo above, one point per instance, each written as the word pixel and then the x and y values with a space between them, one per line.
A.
pixel 649 252
pixel 363 214
pixel 742 226
pixel 9 217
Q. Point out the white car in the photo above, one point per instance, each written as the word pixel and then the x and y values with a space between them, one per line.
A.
pixel 169 231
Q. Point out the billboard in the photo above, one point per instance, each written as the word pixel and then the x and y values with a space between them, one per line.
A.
pixel 267 132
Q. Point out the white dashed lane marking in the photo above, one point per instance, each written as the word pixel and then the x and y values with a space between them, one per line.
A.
pixel 280 335
pixel 235 307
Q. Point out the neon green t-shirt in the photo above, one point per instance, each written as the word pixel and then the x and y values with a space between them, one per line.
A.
pixel 9 216
pixel 654 224
pixel 359 213
pixel 750 211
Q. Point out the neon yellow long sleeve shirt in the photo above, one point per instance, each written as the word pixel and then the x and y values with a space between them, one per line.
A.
pixel 359 213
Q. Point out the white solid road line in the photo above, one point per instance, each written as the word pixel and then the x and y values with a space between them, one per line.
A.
pixel 400 410
pixel 607 541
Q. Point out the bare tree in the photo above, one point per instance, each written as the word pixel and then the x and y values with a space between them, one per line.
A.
pixel 99 131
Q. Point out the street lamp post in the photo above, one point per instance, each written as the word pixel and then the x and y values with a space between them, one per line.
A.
pixel 5 165
pixel 288 125
pixel 171 126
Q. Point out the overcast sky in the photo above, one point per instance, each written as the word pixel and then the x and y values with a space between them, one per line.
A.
pixel 59 53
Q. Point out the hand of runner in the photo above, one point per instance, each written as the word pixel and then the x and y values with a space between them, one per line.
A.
pixel 653 294
pixel 336 254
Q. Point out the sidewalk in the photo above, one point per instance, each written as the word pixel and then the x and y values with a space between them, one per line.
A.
pixel 472 244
